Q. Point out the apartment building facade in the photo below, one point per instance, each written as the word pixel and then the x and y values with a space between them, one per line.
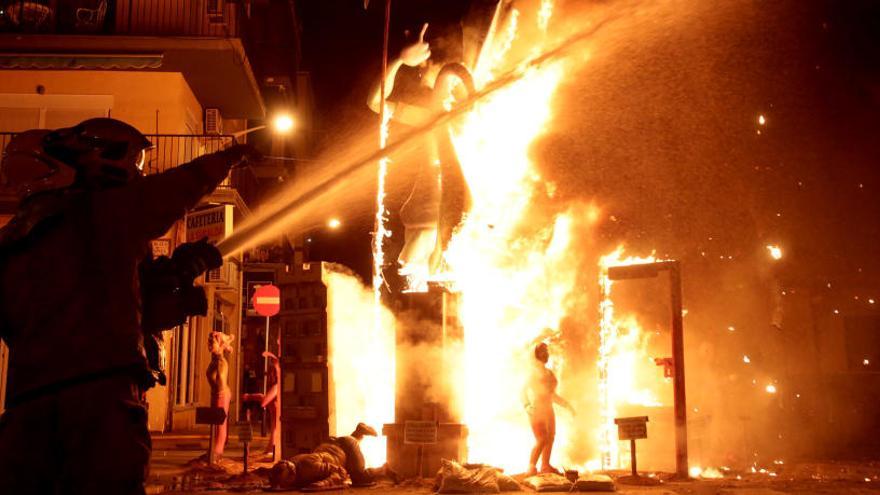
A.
pixel 179 71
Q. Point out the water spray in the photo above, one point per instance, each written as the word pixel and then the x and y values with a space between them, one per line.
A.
pixel 284 215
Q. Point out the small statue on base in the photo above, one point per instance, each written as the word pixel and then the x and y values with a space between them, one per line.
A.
pixel 218 373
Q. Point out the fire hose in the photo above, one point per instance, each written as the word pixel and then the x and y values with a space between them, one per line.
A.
pixel 250 233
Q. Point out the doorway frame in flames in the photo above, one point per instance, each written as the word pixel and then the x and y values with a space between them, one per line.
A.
pixel 651 270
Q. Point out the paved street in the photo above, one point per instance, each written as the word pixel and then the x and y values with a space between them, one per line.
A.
pixel 170 474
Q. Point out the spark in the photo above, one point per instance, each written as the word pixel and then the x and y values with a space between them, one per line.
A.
pixel 380 229
pixel 544 14
pixel 775 251
pixel 334 223
pixel 746 360
pixel 866 362
pixel 761 120
pixel 770 388
pixel 731 328
pixel 870 301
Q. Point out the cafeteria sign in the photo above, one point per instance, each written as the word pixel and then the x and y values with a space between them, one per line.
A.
pixel 213 223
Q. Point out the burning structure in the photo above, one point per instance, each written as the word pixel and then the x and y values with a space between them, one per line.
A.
pixel 522 265
pixel 464 327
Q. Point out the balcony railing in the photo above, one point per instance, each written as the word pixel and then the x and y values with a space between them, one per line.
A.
pixel 199 18
pixel 172 150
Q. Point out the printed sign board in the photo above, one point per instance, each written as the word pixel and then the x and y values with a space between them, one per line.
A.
pixel 213 223
pixel 420 432
pixel 210 415
pixel 245 432
pixel 161 247
pixel 633 428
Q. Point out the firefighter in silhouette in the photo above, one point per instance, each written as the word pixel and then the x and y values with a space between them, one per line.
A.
pixel 70 302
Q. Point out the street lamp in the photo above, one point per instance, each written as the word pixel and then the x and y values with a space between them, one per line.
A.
pixel 281 123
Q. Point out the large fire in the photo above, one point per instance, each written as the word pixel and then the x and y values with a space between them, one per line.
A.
pixel 356 346
pixel 516 287
pixel 511 260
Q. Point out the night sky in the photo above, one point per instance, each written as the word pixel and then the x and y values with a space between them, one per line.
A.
pixel 660 127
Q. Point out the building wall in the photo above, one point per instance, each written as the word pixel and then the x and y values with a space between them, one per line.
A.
pixel 153 102
pixel 4 351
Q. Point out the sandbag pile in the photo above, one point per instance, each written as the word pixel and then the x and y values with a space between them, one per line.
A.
pixel 455 478
pixel 594 483
pixel 548 482
pixel 588 482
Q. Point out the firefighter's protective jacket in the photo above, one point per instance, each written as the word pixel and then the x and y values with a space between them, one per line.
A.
pixel 69 299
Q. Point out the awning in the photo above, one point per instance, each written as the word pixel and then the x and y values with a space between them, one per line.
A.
pixel 79 61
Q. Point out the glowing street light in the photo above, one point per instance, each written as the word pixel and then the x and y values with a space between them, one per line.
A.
pixel 283 123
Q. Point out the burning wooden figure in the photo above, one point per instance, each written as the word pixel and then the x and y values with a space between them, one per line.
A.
pixel 439 195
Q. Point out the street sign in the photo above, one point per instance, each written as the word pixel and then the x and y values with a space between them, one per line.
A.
pixel 210 415
pixel 633 428
pixel 267 300
pixel 213 223
pixel 161 247
pixel 420 432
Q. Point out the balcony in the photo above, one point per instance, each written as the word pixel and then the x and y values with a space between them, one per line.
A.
pixel 172 150
pixel 200 39
pixel 190 18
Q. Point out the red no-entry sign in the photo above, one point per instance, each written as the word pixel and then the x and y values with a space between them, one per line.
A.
pixel 267 300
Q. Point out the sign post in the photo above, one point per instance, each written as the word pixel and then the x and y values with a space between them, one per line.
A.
pixel 267 302
pixel 632 429
pixel 245 436
pixel 213 416
pixel 420 433
pixel 649 270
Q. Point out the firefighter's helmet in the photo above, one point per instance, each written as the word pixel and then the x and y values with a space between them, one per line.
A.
pixel 103 151
pixel 27 169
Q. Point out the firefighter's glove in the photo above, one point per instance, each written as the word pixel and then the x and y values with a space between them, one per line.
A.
pixel 195 258
pixel 239 155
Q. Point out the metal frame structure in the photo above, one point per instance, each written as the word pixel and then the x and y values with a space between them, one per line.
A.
pixel 650 270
